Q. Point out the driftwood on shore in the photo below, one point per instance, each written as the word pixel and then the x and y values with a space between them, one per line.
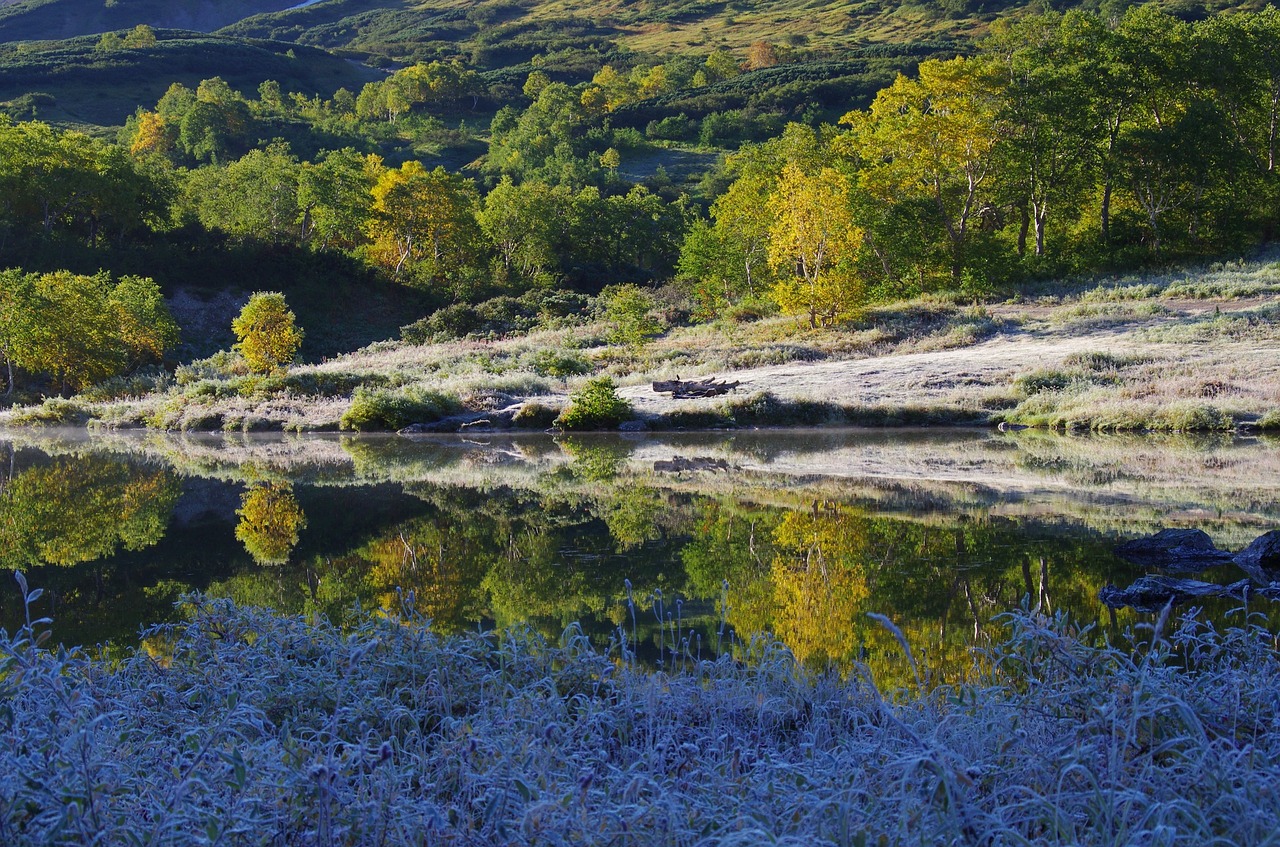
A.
pixel 682 389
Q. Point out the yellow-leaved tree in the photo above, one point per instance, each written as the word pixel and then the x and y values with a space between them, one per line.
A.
pixel 267 331
pixel 813 244
pixel 270 522
pixel 933 139
pixel 424 218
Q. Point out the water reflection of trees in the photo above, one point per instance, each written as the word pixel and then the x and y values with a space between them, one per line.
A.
pixel 270 521
pixel 560 550
pixel 808 573
pixel 63 520
pixel 66 511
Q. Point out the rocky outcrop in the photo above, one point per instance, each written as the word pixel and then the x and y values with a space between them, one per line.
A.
pixel 1185 550
pixel 1152 593
pixel 1261 559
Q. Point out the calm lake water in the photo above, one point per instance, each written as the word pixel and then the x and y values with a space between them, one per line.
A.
pixel 718 535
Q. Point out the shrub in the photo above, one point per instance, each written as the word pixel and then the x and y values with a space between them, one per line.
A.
pixel 221 365
pixel 627 308
pixel 535 415
pixel 557 363
pixel 52 412
pixel 1270 422
pixel 377 409
pixel 1040 381
pixel 139 384
pixel 267 332
pixel 594 406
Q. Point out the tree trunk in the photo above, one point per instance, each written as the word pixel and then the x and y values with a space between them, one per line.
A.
pixel 1023 226
pixel 1106 212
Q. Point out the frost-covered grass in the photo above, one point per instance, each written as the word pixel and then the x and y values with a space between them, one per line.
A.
pixel 246 727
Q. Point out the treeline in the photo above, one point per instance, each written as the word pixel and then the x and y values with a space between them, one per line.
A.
pixel 1068 143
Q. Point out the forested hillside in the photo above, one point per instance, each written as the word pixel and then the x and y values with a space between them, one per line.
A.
pixel 454 200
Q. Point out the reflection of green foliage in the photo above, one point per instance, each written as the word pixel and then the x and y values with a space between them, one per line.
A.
pixel 270 520
pixel 594 461
pixel 71 511
pixel 442 563
pixel 632 515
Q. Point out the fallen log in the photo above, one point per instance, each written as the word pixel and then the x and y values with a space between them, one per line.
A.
pixel 682 389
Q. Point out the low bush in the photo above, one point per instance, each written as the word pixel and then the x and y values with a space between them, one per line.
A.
pixel 596 405
pixel 55 411
pixel 374 410
pixel 138 384
pixel 556 363
pixel 224 364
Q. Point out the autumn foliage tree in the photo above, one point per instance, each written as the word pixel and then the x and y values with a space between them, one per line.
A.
pixel 270 522
pixel 267 333
pixel 812 245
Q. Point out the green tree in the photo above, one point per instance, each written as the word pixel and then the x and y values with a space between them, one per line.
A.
pixel 335 197
pixel 524 225
pixel 252 198
pixel 933 138
pixel 76 339
pixel 81 329
pixel 629 312
pixel 267 333
pixel 146 326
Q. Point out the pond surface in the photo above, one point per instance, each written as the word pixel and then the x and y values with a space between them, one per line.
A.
pixel 700 540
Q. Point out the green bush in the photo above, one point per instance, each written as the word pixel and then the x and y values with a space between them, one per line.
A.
pixel 1270 422
pixel 556 363
pixel 1194 417
pixel 52 412
pixel 1040 381
pixel 137 384
pixel 535 415
pixel 221 365
pixel 380 410
pixel 594 406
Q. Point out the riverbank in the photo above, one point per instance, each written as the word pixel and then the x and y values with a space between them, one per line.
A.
pixel 247 727
pixel 1193 351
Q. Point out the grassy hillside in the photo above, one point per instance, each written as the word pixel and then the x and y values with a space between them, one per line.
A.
pixel 79 84
pixel 50 19
pixel 497 32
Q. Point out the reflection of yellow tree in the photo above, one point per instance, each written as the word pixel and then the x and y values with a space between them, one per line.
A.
pixel 270 520
pixel 436 565
pixel 819 583
pixel 67 512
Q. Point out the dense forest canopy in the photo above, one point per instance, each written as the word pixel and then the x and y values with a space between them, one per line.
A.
pixel 1057 143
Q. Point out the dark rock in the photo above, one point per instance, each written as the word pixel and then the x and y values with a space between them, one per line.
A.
pixel 632 426
pixel 1151 593
pixel 1184 550
pixel 1261 559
